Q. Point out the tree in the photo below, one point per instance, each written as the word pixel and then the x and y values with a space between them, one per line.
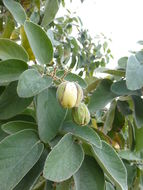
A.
pixel 42 147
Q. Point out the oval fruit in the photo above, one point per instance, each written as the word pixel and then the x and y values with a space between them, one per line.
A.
pixel 81 114
pixel 69 94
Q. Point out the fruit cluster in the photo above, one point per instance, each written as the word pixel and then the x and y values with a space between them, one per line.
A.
pixel 70 95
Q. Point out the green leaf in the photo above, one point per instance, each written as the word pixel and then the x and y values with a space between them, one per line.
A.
pixel 132 173
pixel 2 133
pixel 117 72
pixel 119 120
pixel 85 133
pixel 131 135
pixel 73 77
pixel 129 155
pixel 134 73
pixel 123 107
pixel 30 112
pixel 122 62
pixel 65 185
pixel 10 103
pixel 50 114
pixel 11 69
pixel 120 73
pixel 23 117
pixel 16 126
pixel 120 88
pixel 32 176
pixel 138 110
pixel 89 176
pixel 92 85
pixel 51 8
pixel 16 10
pixel 110 117
pixel 64 160
pixel 41 185
pixel 101 96
pixel 9 27
pixel 139 139
pixel 39 42
pixel 139 56
pixel 109 186
pixel 2 88
pixel 111 164
pixel 11 50
pixel 19 153
pixel 32 83
pixel 25 43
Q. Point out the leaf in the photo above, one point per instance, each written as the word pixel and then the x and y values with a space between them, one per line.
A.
pixel 27 115
pixel 2 88
pixel 132 173
pixel 138 110
pixel 41 185
pixel 123 107
pixel 25 43
pixel 35 17
pixel 15 126
pixel 121 89
pixel 139 139
pixel 85 133
pixel 39 42
pixel 32 176
pixel 50 114
pixel 111 164
pixel 64 160
pixel 110 117
pixel 101 96
pixel 131 135
pixel 92 85
pixel 32 83
pixel 109 186
pixel 51 8
pixel 55 140
pixel 89 176
pixel 139 56
pixel 134 74
pixel 2 133
pixel 10 103
pixel 19 14
pixel 119 120
pixel 130 155
pixel 19 153
pixel 11 69
pixel 122 62
pixel 120 73
pixel 73 78
pixel 65 185
pixel 11 50
pixel 9 27
pixel 117 72
pixel 30 112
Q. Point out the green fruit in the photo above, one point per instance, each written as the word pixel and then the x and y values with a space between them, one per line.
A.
pixel 81 115
pixel 69 94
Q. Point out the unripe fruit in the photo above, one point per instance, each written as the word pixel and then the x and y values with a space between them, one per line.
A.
pixel 81 115
pixel 69 94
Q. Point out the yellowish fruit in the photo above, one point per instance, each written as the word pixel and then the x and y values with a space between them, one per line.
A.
pixel 69 94
pixel 81 115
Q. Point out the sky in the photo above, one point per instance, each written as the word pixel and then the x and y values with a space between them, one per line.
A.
pixel 120 20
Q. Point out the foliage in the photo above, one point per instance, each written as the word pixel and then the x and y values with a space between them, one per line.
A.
pixel 41 147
